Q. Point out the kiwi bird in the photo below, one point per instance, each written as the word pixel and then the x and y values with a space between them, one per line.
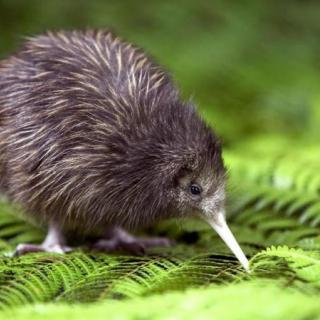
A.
pixel 94 137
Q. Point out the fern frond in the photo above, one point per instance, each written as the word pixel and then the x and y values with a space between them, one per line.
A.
pixel 81 278
pixel 278 184
pixel 303 266
pixel 41 277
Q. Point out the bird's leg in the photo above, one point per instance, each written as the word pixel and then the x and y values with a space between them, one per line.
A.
pixel 118 239
pixel 54 242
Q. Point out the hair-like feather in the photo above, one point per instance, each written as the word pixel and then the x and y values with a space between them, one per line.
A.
pixel 93 132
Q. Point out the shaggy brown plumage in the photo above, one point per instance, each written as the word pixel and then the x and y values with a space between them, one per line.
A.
pixel 94 134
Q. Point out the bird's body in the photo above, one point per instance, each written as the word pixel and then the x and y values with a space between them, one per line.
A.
pixel 94 135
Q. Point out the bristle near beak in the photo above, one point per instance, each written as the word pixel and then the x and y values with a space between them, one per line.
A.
pixel 218 223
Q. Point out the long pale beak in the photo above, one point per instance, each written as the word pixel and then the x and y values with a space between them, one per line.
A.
pixel 218 223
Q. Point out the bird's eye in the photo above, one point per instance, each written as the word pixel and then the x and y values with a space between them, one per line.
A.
pixel 195 189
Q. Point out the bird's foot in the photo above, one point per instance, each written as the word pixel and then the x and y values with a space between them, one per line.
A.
pixel 120 240
pixel 54 242
pixel 24 248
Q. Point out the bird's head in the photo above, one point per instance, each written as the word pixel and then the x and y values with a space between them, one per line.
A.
pixel 199 190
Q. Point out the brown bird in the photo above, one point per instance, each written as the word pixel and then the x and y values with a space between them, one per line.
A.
pixel 94 137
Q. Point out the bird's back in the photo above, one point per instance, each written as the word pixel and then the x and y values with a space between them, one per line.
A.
pixel 69 103
pixel 70 69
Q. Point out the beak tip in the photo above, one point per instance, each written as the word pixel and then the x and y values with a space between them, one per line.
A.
pixel 221 227
pixel 245 265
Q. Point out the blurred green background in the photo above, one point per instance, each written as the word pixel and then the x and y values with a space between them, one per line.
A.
pixel 251 66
